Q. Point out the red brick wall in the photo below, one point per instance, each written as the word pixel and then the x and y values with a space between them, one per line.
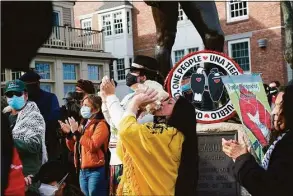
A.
pixel 144 29
pixel 262 16
pixel 83 7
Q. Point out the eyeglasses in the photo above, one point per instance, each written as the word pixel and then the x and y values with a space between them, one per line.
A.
pixel 11 93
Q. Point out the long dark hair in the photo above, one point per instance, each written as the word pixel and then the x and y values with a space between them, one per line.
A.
pixel 287 107
pixel 183 119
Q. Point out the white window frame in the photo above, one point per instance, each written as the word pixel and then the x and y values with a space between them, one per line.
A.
pixel 77 72
pixel 111 18
pixel 51 81
pixel 77 68
pixel 175 54
pixel 180 10
pixel 122 22
pixel 60 12
pixel 87 31
pixel 128 23
pixel 51 64
pixel 111 25
pixel 5 75
pixel 99 71
pixel 83 21
pixel 196 49
pixel 249 52
pixel 120 69
pixel 184 16
pixel 21 73
pixel 239 18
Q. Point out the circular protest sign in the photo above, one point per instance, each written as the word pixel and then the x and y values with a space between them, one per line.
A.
pixel 197 77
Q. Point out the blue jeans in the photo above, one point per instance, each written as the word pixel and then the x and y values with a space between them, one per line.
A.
pixel 93 182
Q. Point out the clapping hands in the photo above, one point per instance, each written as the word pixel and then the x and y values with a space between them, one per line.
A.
pixel 233 149
pixel 69 125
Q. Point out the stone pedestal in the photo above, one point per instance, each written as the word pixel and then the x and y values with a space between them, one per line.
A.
pixel 215 177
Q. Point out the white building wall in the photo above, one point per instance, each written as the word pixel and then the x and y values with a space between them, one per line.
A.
pixel 120 46
pixel 186 37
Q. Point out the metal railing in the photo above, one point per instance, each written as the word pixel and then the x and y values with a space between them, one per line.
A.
pixel 64 37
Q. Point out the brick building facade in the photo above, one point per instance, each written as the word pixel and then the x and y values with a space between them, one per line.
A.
pixel 246 25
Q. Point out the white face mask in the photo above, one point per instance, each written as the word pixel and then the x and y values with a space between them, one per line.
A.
pixel 49 190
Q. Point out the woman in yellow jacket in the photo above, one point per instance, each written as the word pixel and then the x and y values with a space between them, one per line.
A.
pixel 159 159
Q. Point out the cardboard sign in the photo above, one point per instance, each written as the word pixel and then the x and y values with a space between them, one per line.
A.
pixel 249 99
pixel 191 78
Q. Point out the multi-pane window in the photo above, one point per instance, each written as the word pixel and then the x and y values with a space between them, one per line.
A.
pixel 69 88
pixel 86 25
pixel 43 69
pixel 2 92
pixel 69 71
pixel 239 50
pixel 118 22
pixel 111 70
pixel 179 54
pixel 128 22
pixel 46 87
pixel 56 23
pixel 3 78
pixel 107 24
pixel 93 72
pixel 130 61
pixel 190 50
pixel 15 74
pixel 121 69
pixel 237 10
pixel 180 12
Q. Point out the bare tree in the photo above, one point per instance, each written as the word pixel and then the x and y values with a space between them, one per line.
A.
pixel 287 11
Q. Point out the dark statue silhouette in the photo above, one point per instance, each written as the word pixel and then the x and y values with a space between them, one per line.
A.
pixel 203 15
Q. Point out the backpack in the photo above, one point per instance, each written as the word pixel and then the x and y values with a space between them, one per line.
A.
pixel 107 152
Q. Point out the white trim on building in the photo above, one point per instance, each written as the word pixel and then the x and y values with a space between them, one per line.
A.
pixel 243 55
pixel 237 10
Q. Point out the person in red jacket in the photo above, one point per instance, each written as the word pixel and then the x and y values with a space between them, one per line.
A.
pixel 16 182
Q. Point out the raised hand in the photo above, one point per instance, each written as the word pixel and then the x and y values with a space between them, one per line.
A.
pixel 73 124
pixel 233 149
pixel 65 127
pixel 144 98
pixel 107 86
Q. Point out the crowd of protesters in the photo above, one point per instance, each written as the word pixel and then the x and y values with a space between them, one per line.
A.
pixel 96 145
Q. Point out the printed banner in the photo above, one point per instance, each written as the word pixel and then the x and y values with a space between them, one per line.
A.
pixel 249 99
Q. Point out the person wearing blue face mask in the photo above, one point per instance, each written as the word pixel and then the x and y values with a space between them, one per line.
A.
pixel 89 140
pixel 28 129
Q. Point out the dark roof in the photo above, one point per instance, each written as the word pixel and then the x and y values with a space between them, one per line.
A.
pixel 112 4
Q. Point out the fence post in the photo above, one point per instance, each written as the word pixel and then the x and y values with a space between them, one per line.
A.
pixel 67 37
pixel 102 40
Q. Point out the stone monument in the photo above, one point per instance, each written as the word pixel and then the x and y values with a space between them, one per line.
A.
pixel 189 79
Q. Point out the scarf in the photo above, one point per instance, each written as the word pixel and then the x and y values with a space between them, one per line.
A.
pixel 29 124
pixel 267 157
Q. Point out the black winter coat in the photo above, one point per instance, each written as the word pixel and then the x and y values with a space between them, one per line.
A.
pixel 277 180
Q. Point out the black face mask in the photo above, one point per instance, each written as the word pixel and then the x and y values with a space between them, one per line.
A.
pixel 79 96
pixel 130 79
pixel 33 91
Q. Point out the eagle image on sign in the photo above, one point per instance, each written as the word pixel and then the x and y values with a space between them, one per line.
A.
pixel 189 78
